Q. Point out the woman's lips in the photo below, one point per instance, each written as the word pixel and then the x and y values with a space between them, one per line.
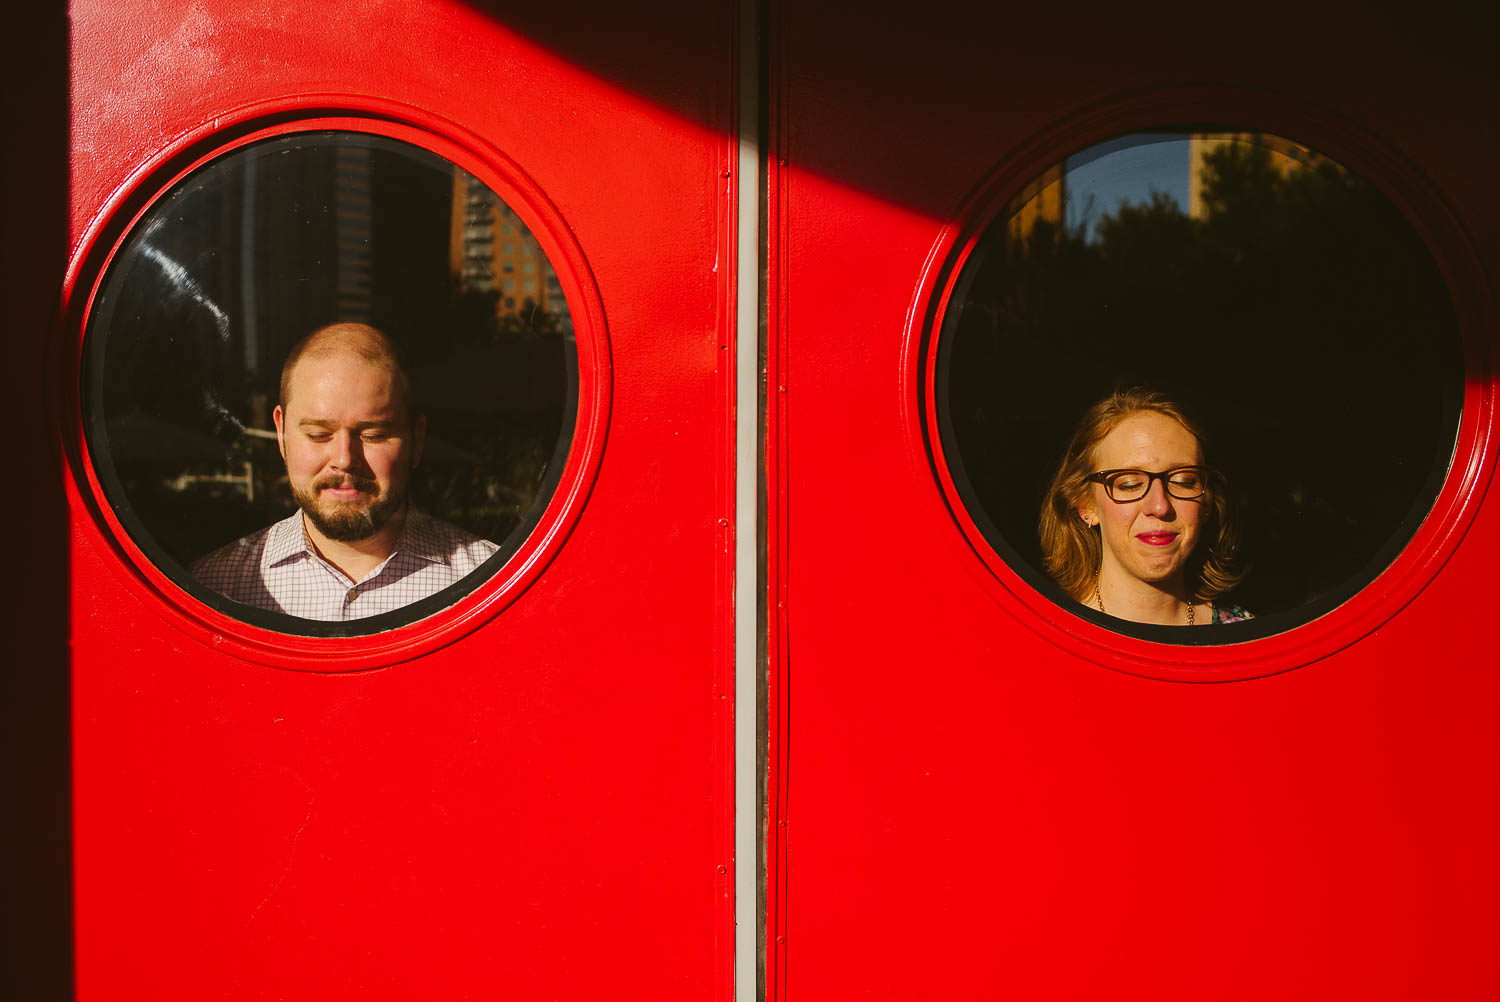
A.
pixel 1156 538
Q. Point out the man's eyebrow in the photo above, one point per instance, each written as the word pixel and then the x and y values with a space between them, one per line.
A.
pixel 308 422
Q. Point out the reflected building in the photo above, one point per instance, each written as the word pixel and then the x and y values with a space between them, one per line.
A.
pixel 1041 201
pixel 353 233
pixel 491 250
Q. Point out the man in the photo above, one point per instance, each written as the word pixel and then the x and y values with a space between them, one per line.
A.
pixel 355 547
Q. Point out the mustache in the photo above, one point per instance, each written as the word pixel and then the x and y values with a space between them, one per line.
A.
pixel 363 484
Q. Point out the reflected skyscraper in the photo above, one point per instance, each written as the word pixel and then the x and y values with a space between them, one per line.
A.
pixel 491 250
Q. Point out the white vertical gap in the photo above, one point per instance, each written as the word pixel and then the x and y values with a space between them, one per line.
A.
pixel 747 583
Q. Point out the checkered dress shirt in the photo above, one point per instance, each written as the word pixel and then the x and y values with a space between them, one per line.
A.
pixel 278 569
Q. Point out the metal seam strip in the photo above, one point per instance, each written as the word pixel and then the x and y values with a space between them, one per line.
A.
pixel 747 584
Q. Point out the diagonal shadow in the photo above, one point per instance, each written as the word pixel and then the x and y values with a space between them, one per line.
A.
pixel 36 710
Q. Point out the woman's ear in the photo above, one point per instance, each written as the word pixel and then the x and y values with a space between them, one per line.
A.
pixel 1087 515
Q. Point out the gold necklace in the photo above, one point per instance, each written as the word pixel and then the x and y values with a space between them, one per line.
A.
pixel 1100 599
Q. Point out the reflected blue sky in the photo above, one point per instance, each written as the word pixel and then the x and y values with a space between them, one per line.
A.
pixel 1101 177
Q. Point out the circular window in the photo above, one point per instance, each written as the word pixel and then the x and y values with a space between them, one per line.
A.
pixel 1271 294
pixel 429 420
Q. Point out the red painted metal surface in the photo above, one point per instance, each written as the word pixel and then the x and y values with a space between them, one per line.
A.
pixel 531 793
pixel 966 800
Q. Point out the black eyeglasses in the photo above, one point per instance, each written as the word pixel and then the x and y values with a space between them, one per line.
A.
pixel 1185 483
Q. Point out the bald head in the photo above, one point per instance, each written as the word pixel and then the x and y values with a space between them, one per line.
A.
pixel 352 340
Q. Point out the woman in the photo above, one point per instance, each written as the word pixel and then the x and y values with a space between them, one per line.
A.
pixel 1136 524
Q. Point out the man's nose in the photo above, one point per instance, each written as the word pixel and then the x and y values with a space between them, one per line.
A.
pixel 347 454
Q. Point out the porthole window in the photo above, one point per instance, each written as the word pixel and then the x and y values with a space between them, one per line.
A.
pixel 1281 300
pixel 186 416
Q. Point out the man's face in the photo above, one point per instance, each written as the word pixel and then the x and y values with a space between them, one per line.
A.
pixel 349 444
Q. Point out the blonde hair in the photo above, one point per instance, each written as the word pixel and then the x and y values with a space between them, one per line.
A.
pixel 1073 551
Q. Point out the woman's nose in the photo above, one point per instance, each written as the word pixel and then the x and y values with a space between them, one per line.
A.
pixel 1156 501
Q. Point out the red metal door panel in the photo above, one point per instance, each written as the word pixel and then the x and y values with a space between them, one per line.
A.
pixel 963 806
pixel 535 804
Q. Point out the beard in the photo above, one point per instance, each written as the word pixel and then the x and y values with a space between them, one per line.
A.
pixel 349 521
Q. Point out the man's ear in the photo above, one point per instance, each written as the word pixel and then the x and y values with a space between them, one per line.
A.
pixel 418 438
pixel 278 417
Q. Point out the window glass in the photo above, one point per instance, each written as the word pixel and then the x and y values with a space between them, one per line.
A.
pixel 1283 301
pixel 247 255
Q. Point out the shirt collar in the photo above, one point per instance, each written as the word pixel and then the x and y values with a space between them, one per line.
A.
pixel 285 540
pixel 420 538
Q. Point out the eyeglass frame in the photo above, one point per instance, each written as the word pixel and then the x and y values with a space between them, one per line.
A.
pixel 1102 478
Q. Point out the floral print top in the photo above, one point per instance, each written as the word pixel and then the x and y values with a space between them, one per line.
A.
pixel 1231 613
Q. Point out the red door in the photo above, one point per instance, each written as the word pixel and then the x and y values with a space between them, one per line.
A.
pixel 526 788
pixel 982 790
pixel 975 789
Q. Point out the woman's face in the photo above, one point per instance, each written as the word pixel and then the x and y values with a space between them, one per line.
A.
pixel 1150 539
